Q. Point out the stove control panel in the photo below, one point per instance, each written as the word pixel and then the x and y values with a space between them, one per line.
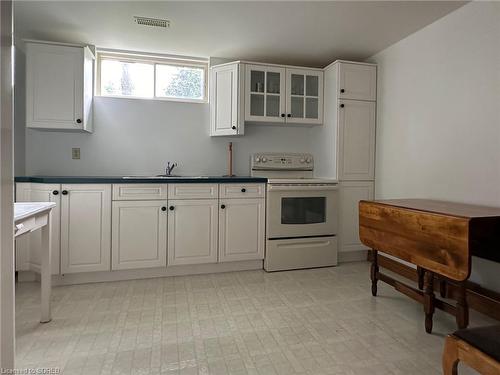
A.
pixel 282 161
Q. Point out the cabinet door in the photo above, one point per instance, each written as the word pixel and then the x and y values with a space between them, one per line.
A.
pixel 225 106
pixel 192 231
pixel 357 81
pixel 241 229
pixel 304 96
pixel 350 194
pixel 139 234
pixel 356 140
pixel 264 94
pixel 54 86
pixel 85 228
pixel 28 247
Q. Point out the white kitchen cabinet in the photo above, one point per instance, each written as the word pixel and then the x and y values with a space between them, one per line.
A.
pixel 265 94
pixel 85 228
pixel 139 234
pixel 351 192
pixel 193 191
pixel 59 87
pixel 356 152
pixel 192 231
pixel 233 190
pixel 304 96
pixel 139 192
pixel 28 247
pixel 268 94
pixel 241 229
pixel 357 81
pixel 227 99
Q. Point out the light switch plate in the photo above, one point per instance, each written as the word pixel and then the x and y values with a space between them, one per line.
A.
pixel 75 153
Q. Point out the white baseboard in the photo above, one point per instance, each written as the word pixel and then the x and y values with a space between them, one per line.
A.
pixel 352 256
pixel 148 273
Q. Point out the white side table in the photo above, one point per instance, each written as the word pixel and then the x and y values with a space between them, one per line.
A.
pixel 27 218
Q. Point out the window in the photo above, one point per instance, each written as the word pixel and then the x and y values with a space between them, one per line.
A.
pixel 145 76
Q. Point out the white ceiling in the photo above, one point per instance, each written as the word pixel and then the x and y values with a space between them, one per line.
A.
pixel 301 33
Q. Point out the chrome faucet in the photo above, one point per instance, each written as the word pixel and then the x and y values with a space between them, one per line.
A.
pixel 170 168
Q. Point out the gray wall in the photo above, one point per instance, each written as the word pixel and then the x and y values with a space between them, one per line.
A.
pixel 438 126
pixel 136 136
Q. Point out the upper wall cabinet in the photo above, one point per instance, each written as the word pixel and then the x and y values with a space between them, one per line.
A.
pixel 265 94
pixel 256 93
pixel 304 96
pixel 59 87
pixel 283 95
pixel 226 100
pixel 357 81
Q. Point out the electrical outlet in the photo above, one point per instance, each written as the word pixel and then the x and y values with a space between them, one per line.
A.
pixel 75 153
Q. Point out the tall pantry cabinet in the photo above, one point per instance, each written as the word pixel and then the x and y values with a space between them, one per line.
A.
pixel 350 108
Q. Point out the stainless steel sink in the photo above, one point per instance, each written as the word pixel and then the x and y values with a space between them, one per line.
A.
pixel 163 176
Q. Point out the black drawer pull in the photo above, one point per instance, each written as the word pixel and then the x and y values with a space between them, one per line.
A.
pixel 222 206
pixel 55 192
pixel 64 192
pixel 243 190
pixel 164 208
pixel 171 208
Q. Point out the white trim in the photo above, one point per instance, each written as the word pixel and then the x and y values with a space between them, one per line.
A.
pixel 7 305
pixel 266 64
pixel 154 60
pixel 348 62
pixel 148 273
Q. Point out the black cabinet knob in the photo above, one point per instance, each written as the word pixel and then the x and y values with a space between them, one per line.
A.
pixel 282 115
pixel 171 208
pixel 78 121
pixel 64 192
pixel 289 115
pixel 233 127
pixel 243 190
pixel 341 106
pixel 222 206
pixel 342 91
pixel 55 192
pixel 164 208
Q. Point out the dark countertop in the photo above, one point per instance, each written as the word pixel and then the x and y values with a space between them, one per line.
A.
pixel 136 180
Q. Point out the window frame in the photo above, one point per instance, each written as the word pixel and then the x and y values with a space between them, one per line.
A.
pixel 154 60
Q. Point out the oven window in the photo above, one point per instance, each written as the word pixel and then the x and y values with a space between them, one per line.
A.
pixel 311 210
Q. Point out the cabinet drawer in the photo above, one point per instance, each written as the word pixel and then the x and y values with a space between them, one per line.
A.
pixel 242 190
pixel 192 191
pixel 136 192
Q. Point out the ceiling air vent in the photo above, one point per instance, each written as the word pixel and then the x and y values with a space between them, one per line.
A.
pixel 156 22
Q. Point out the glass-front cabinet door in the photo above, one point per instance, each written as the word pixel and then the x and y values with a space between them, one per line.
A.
pixel 304 96
pixel 265 93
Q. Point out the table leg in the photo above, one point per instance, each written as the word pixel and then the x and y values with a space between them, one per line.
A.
pixel 428 300
pixel 374 272
pixel 462 316
pixel 46 271
pixel 442 288
pixel 420 276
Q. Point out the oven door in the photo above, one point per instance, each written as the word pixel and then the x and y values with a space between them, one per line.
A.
pixel 301 210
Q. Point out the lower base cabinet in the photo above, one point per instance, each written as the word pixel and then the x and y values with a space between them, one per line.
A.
pixel 85 228
pixel 350 193
pixel 142 228
pixel 241 229
pixel 139 231
pixel 192 231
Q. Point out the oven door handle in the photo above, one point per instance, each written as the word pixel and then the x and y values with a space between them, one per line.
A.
pixel 301 187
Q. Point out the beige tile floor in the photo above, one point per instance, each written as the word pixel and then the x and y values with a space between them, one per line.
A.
pixel 321 321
